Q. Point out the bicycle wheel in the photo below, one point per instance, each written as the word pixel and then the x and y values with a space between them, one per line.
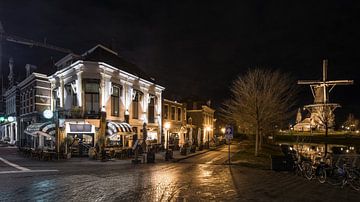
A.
pixel 335 178
pixel 308 170
pixel 354 179
pixel 321 175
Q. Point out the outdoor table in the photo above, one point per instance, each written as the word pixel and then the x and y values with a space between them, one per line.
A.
pixel 48 154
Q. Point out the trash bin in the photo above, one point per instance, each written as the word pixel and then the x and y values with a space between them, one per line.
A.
pixel 150 158
pixel 168 154
pixel 183 151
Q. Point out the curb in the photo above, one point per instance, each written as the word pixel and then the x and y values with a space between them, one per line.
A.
pixel 196 154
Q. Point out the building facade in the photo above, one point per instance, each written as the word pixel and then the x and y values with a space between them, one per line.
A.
pixel 9 127
pixel 103 96
pixel 202 116
pixel 176 132
pixel 34 93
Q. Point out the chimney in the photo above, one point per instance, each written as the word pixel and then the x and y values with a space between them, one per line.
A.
pixel 29 69
pixel 11 73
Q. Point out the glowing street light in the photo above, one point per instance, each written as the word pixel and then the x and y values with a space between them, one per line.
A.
pixel 48 114
pixel 11 119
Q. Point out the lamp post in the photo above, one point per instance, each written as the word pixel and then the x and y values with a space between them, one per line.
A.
pixel 48 114
pixel 167 127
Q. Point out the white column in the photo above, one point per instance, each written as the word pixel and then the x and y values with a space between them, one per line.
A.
pixel 105 84
pixel 159 114
pixel 145 104
pixel 79 89
pixel 6 131
pixel 16 132
pixel 61 92
pixel 52 98
pixel 11 133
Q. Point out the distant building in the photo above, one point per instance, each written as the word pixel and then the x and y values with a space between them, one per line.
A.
pixel 202 116
pixel 174 116
pixel 9 127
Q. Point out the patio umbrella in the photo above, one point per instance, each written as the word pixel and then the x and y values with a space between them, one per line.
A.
pixel 199 136
pixel 190 136
pixel 144 130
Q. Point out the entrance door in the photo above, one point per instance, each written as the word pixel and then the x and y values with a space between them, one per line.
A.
pixel 81 143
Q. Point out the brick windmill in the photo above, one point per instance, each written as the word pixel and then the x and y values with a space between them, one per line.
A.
pixel 322 110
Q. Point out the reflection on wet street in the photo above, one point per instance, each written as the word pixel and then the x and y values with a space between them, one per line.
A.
pixel 147 182
pixel 201 178
pixel 142 183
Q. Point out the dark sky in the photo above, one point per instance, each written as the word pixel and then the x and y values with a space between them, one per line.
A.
pixel 198 47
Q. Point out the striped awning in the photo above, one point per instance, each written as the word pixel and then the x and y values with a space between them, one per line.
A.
pixel 121 128
pixel 45 129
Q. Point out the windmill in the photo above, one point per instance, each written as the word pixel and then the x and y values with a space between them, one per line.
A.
pixel 322 110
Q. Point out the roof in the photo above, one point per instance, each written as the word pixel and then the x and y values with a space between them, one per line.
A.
pixel 102 54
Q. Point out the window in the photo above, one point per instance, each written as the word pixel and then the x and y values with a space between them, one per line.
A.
pixel 74 100
pixel 172 113
pixel 92 104
pixel 135 106
pixel 166 112
pixel 56 99
pixel 179 114
pixel 151 109
pixel 115 96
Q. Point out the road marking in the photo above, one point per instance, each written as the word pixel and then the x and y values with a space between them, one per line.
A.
pixel 26 171
pixel 14 165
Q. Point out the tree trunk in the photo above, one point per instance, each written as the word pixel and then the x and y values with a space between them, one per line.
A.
pixel 257 141
pixel 326 135
pixel 260 141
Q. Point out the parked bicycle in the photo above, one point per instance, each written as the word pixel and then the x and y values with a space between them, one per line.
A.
pixel 302 165
pixel 343 173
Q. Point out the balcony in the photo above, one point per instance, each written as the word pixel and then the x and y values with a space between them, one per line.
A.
pixel 78 113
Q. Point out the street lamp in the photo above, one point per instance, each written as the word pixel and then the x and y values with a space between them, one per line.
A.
pixel 167 127
pixel 49 114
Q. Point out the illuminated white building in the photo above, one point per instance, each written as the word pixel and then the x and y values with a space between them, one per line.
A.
pixel 100 81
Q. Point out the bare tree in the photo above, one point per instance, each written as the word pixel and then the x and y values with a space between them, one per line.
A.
pixel 260 100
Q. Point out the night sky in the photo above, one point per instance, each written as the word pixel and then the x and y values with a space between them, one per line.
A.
pixel 196 48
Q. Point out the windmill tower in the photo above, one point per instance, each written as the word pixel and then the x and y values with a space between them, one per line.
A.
pixel 322 111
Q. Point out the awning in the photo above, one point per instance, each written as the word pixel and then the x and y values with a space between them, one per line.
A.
pixel 121 128
pixel 46 129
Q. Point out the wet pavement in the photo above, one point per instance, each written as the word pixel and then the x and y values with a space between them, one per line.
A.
pixel 204 177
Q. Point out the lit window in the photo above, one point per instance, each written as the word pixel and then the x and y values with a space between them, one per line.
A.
pixel 115 104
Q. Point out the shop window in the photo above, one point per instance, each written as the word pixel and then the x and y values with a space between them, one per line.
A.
pixel 172 113
pixel 135 106
pixel 179 114
pixel 151 110
pixel 166 112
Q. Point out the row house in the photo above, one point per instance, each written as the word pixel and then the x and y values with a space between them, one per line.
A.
pixel 99 88
pixel 202 116
pixel 175 126
pixel 25 103
pixel 34 129
pixel 9 126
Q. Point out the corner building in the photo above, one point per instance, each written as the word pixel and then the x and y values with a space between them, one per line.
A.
pixel 99 94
